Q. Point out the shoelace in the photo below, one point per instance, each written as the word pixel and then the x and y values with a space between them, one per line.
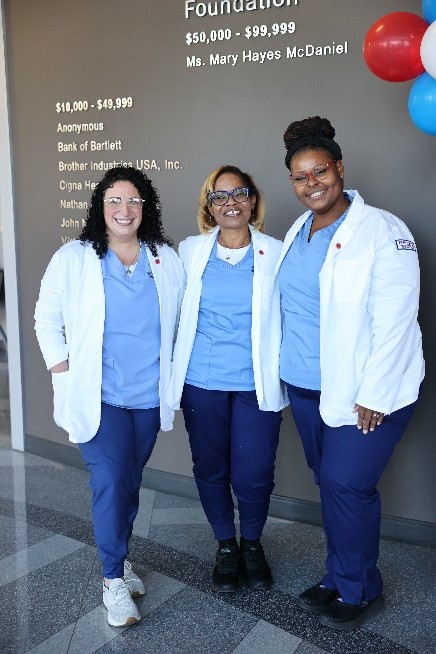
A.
pixel 228 560
pixel 120 589
pixel 363 603
pixel 255 558
pixel 128 569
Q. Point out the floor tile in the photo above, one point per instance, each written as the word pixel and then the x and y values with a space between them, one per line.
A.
pixel 54 486
pixel 85 636
pixel 91 631
pixel 141 526
pixel 179 516
pixel 59 643
pixel 266 638
pixel 297 553
pixel 16 535
pixel 36 556
pixel 272 606
pixel 196 540
pixel 189 622
pixel 166 501
pixel 55 521
pixel 50 600
pixel 410 594
pixel 44 602
pixel 159 589
pixel 308 648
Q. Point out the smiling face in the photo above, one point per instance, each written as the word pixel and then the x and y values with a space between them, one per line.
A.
pixel 323 197
pixel 232 215
pixel 122 221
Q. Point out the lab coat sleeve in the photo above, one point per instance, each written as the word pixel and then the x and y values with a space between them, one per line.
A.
pixel 49 321
pixel 393 309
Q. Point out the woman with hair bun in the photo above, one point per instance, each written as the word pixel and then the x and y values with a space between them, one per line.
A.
pixel 351 358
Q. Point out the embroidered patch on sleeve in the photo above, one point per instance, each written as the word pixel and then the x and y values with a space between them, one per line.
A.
pixel 403 244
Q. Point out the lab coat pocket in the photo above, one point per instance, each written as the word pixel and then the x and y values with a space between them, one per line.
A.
pixel 351 281
pixel 60 382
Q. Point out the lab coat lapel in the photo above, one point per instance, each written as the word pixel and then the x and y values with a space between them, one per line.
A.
pixel 201 253
pixel 156 265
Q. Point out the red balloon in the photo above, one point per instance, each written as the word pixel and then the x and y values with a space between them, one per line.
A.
pixel 391 47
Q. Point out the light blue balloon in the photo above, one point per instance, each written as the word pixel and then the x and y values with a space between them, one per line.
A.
pixel 429 10
pixel 422 103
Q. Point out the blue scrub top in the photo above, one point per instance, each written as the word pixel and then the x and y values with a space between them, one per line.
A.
pixel 221 357
pixel 300 302
pixel 131 339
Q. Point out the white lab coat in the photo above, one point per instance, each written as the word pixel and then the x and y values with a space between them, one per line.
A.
pixel 69 323
pixel 370 340
pixel 266 324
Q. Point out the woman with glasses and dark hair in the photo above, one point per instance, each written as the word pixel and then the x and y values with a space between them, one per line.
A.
pixel 228 389
pixel 105 321
pixel 351 358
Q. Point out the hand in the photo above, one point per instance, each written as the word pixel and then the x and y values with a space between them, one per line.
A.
pixel 367 419
pixel 60 367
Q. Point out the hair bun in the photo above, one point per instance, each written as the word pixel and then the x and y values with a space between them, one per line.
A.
pixel 314 126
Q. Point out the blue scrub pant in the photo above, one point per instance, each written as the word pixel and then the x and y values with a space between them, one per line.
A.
pixel 115 457
pixel 347 466
pixel 233 445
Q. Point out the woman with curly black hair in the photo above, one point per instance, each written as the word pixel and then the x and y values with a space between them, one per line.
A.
pixel 351 358
pixel 149 230
pixel 105 321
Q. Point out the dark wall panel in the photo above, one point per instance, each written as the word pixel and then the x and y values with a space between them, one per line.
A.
pixel 98 82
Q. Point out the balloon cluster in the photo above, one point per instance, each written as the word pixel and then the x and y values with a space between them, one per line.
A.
pixel 402 46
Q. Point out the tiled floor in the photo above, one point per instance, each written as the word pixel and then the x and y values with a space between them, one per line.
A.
pixel 50 587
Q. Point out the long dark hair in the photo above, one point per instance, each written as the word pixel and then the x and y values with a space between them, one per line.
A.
pixel 150 231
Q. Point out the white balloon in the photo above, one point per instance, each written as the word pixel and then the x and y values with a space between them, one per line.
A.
pixel 428 50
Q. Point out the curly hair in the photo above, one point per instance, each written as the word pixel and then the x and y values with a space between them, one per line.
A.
pixel 206 221
pixel 314 133
pixel 150 230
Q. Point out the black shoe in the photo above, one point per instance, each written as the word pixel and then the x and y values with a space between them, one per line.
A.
pixel 340 615
pixel 255 569
pixel 317 598
pixel 226 573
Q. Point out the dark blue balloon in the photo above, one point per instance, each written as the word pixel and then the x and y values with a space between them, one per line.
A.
pixel 429 10
pixel 422 103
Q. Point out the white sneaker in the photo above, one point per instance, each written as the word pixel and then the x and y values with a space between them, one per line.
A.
pixel 135 584
pixel 121 609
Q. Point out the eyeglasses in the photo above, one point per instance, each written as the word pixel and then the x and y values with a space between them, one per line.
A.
pixel 318 173
pixel 220 198
pixel 135 204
